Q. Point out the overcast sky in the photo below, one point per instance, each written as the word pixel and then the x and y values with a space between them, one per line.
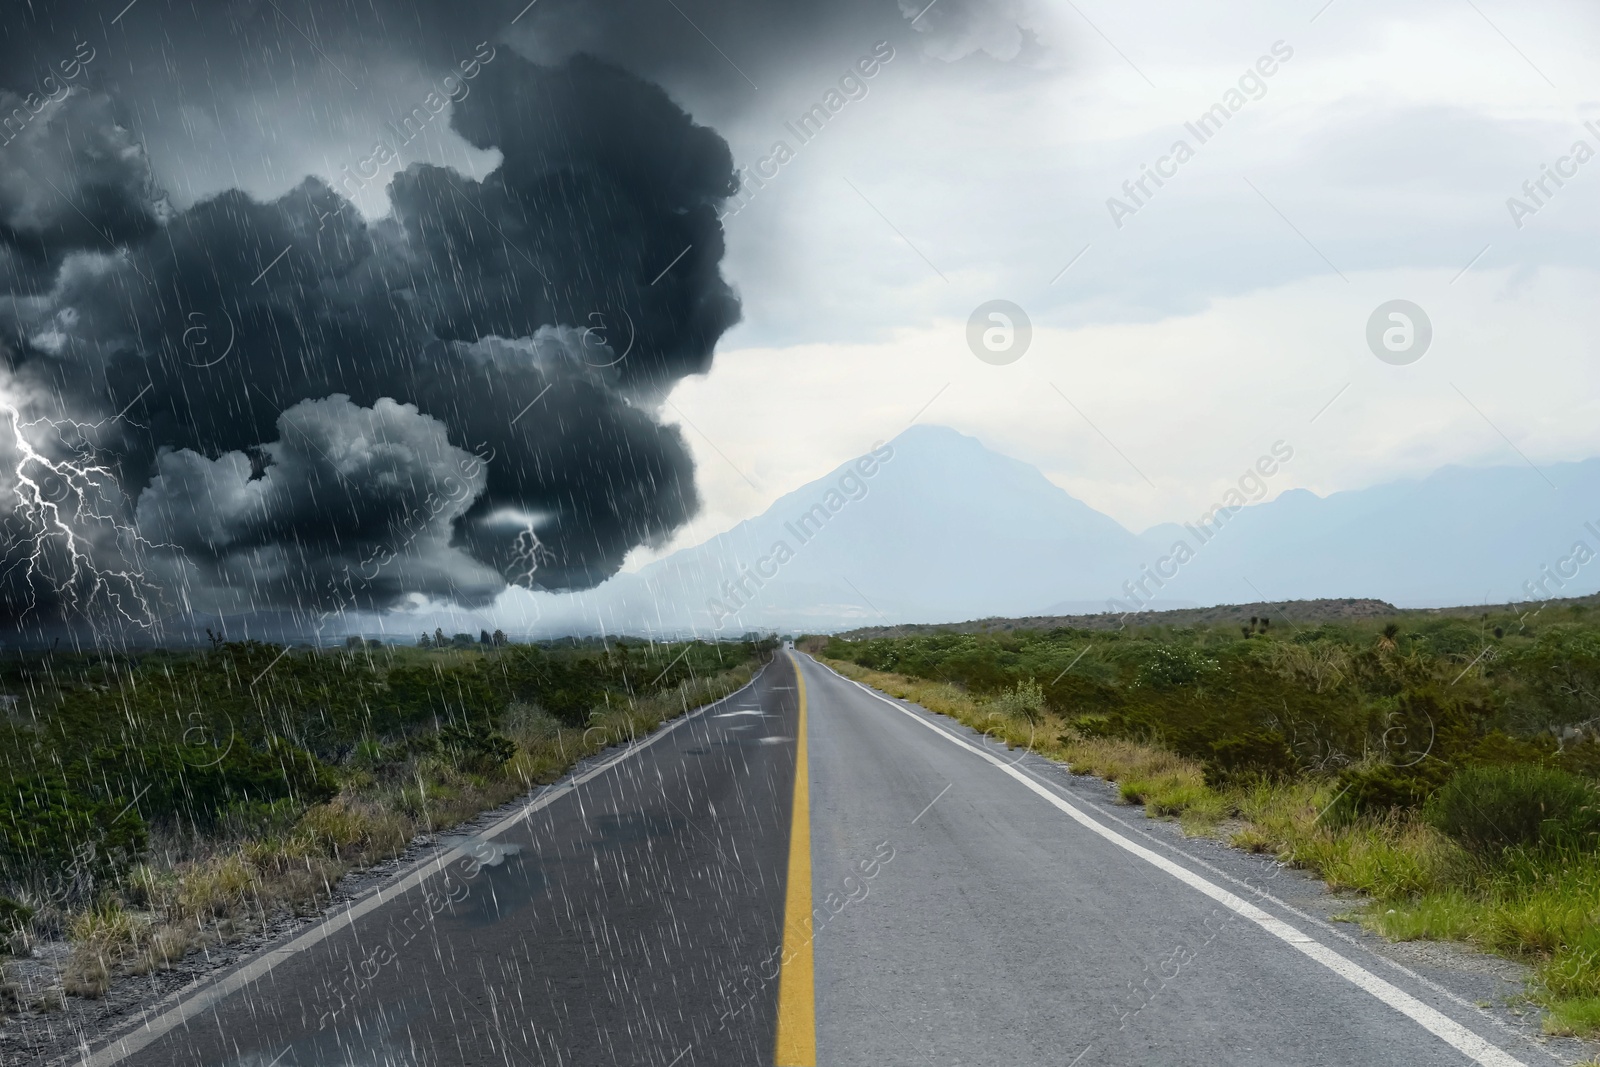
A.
pixel 1376 164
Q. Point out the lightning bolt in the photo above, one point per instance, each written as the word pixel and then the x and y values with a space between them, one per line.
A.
pixel 526 553
pixel 57 518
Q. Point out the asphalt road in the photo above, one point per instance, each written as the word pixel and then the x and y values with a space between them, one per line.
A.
pixel 939 900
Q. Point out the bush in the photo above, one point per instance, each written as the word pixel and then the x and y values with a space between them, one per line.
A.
pixel 168 781
pixel 528 722
pixel 347 828
pixel 1492 809
pixel 1025 700
pixel 216 887
pixel 14 915
pixel 1376 789
pixel 1250 756
pixel 47 828
pixel 476 748
pixel 100 938
pixel 1172 665
pixel 1091 726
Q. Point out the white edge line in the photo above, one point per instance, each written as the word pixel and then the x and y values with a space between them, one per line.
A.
pixel 232 982
pixel 1435 1022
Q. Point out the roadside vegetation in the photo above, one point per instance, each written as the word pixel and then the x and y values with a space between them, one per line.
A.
pixel 1445 767
pixel 157 802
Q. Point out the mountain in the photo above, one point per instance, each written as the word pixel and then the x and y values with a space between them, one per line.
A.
pixel 937 527
pixel 931 526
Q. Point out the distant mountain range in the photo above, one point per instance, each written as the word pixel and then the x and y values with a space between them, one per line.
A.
pixel 937 527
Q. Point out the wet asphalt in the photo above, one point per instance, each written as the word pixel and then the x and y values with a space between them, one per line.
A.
pixel 626 921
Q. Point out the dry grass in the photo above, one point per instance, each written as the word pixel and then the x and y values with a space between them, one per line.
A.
pixel 101 939
pixel 350 828
pixel 165 946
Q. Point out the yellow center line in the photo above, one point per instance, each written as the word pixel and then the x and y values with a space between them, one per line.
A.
pixel 797 1000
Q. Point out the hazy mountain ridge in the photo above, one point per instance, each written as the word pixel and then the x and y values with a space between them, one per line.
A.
pixel 944 528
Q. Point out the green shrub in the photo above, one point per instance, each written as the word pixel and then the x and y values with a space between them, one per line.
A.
pixel 14 915
pixel 1025 700
pixel 1374 789
pixel 259 818
pixel 1491 809
pixel 367 755
pixel 1581 757
pixel 476 748
pixel 1496 747
pixel 528 722
pixel 168 781
pixel 411 747
pixel 48 829
pixel 1165 666
pixel 1091 726
pixel 1254 755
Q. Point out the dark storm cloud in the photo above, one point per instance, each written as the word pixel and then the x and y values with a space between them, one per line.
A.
pixel 537 316
pixel 718 52
pixel 595 496
pixel 179 51
pixel 723 54
pixel 607 182
pixel 346 494
pixel 71 179
pixel 92 163
pixel 254 94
